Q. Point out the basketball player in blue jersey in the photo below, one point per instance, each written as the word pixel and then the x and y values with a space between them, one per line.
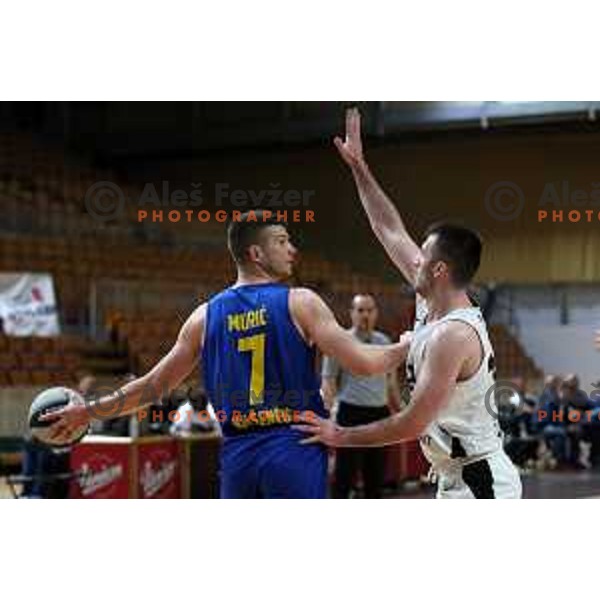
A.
pixel 257 344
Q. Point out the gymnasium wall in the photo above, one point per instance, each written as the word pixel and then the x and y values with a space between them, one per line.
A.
pixel 14 406
pixel 556 325
pixel 564 349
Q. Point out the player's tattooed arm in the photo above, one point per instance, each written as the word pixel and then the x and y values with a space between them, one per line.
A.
pixel 318 325
pixel 384 217
pixel 447 352
pixel 172 369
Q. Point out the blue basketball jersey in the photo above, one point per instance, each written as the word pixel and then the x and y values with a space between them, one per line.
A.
pixel 259 372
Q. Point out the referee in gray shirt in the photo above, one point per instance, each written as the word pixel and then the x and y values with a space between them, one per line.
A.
pixel 360 400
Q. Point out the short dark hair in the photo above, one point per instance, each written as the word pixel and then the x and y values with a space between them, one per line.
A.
pixel 460 248
pixel 243 233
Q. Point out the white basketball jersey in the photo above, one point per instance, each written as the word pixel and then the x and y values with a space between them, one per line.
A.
pixel 465 429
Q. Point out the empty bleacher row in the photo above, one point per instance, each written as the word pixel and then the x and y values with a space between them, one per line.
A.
pixel 26 361
pixel 47 192
pixel 42 190
pixel 42 194
pixel 41 361
pixel 39 181
pixel 75 266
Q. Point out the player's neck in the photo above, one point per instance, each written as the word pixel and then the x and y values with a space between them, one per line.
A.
pixel 253 277
pixel 441 303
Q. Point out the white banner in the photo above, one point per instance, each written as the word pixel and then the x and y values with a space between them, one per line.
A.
pixel 28 304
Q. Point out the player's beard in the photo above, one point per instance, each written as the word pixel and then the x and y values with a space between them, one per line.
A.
pixel 270 269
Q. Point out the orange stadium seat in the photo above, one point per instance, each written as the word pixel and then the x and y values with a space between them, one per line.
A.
pixel 51 194
pixel 20 378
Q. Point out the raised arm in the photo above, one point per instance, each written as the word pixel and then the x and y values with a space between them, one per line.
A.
pixel 166 375
pixel 383 216
pixel 318 325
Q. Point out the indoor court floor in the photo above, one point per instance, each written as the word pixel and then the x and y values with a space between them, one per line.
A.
pixel 549 484
pixel 546 484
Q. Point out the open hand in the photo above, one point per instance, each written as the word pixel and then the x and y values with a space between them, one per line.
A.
pixel 64 421
pixel 323 431
pixel 406 337
pixel 350 148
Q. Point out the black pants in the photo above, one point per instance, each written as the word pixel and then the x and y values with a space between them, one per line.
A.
pixel 370 462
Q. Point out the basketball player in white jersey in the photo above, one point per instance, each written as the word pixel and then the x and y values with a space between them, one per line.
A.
pixel 450 364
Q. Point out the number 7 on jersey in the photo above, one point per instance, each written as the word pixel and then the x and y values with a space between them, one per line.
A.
pixel 256 345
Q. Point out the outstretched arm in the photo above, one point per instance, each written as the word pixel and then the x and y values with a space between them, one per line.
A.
pixel 443 362
pixel 383 216
pixel 168 373
pixel 318 324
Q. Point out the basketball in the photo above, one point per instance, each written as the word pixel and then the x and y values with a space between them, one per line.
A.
pixel 49 400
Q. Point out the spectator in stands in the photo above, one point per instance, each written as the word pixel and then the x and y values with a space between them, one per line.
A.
pixel 87 388
pixel 194 415
pixel 87 385
pixel 550 391
pixel 591 425
pixel 595 395
pixel 46 471
pixel 526 409
pixel 576 402
pixel 516 416
pixel 549 422
pixel 574 395
pixel 158 420
pixel 548 398
pixel 360 400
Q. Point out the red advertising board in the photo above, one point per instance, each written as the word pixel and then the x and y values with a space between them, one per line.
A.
pixel 158 469
pixel 415 463
pixel 102 470
pixel 405 461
